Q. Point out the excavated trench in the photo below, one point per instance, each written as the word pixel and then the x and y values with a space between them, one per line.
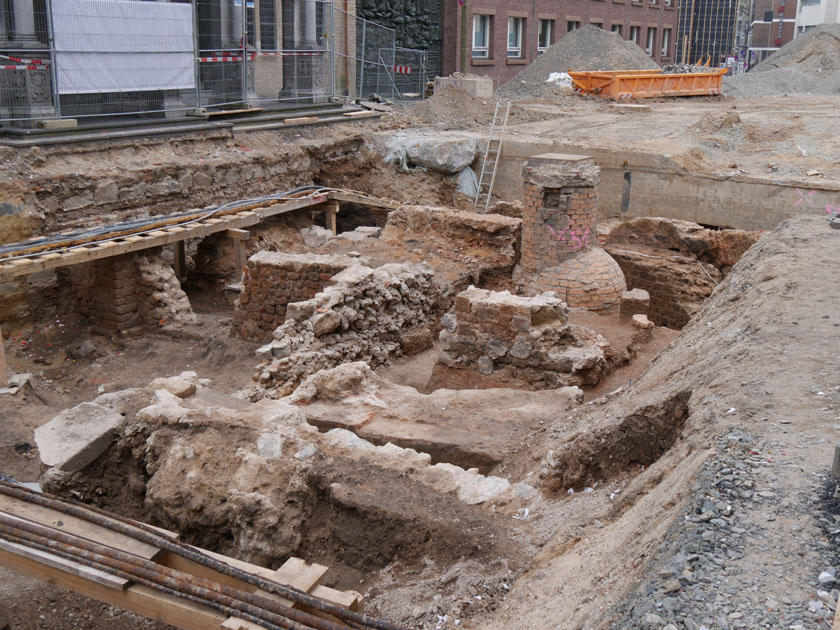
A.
pixel 209 481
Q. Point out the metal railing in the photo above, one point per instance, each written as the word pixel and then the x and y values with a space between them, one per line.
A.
pixel 166 59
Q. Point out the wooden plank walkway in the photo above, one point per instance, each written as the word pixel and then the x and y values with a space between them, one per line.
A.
pixel 21 264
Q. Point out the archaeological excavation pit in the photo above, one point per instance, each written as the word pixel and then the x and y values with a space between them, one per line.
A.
pixel 331 361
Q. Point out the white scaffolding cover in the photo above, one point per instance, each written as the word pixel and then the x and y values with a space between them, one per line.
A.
pixel 123 46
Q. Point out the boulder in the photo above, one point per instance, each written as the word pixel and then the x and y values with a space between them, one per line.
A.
pixel 447 155
pixel 77 436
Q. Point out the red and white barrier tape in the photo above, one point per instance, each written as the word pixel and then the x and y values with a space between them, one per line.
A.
pixel 28 67
pixel 251 57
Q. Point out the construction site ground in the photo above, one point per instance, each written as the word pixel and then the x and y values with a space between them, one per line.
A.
pixel 731 527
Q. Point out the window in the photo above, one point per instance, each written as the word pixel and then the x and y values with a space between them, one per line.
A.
pixel 653 3
pixel 669 3
pixel 515 28
pixel 545 36
pixel 666 41
pixel 481 36
pixel 596 23
pixel 634 34
pixel 616 28
pixel 651 40
pixel 572 25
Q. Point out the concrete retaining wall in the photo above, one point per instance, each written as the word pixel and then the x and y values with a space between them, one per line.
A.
pixel 635 184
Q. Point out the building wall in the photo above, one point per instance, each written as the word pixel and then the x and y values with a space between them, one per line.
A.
pixel 765 38
pixel 812 13
pixel 707 30
pixel 605 13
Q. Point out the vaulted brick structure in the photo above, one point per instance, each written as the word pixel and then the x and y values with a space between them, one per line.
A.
pixel 559 247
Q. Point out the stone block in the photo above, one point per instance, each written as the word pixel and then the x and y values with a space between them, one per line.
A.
pixel 478 87
pixel 641 321
pixel 635 302
pixel 77 436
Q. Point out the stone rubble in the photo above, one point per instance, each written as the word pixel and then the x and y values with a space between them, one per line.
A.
pixel 361 315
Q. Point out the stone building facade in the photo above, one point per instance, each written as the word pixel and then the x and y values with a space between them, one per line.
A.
pixel 544 22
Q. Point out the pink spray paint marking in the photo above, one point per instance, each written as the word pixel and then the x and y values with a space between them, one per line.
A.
pixel 806 197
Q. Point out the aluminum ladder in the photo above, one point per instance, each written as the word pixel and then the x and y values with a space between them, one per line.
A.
pixel 491 157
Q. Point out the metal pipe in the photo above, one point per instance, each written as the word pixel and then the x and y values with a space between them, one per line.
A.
pixel 88 560
pixel 145 533
pixel 249 603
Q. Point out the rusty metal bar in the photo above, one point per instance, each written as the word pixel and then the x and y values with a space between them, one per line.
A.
pixel 103 558
pixel 145 533
pixel 45 546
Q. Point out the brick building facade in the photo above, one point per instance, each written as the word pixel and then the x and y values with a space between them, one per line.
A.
pixel 507 35
pixel 773 26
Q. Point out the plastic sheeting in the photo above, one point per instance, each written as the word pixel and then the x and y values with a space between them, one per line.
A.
pixel 123 46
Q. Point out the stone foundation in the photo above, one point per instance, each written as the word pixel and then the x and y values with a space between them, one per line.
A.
pixel 274 280
pixel 559 240
pixel 512 341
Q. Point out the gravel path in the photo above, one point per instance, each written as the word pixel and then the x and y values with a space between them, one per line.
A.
pixel 727 563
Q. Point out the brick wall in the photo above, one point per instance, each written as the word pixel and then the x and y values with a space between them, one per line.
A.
pixel 627 13
pixel 272 281
pixel 129 290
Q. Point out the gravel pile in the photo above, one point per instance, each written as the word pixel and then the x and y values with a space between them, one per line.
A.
pixel 726 563
pixel 809 64
pixel 588 48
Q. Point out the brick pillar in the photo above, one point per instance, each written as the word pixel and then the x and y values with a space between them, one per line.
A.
pixel 115 300
pixel 560 250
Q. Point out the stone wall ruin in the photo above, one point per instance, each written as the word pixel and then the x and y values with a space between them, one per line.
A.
pixel 505 340
pixel 363 314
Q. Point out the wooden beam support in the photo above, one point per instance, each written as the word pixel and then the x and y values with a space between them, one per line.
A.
pixel 239 256
pixel 332 209
pixel 4 367
pixel 240 235
pixel 180 261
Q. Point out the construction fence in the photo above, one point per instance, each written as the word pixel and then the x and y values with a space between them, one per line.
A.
pixel 172 58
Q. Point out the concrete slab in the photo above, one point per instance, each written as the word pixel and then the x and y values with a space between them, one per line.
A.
pixel 77 436
pixel 479 87
pixel 58 123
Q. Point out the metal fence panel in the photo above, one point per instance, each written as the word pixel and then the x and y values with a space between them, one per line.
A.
pixel 167 58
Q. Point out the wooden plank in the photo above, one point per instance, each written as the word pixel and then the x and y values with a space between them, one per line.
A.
pixel 294 572
pixel 242 235
pixel 131 244
pixel 239 255
pixel 360 113
pixel 175 230
pixel 341 195
pixel 50 256
pixel 76 526
pixel 302 120
pixel 4 367
pixel 139 599
pixel 74 568
pixel 180 260
pixel 350 600
pixel 20 262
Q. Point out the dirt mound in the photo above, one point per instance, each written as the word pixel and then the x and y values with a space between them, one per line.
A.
pixel 816 51
pixel 588 48
pixel 455 109
pixel 809 64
